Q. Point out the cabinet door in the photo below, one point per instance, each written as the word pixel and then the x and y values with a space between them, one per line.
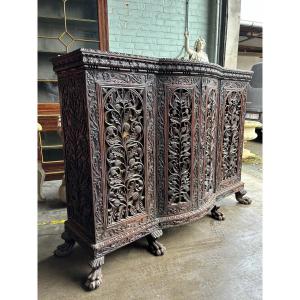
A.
pixel 178 147
pixel 231 129
pixel 122 134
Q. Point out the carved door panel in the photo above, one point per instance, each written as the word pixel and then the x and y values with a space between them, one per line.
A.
pixel 209 122
pixel 124 198
pixel 230 136
pixel 178 150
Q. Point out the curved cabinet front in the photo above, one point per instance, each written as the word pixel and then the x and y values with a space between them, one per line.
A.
pixel 149 143
pixel 186 146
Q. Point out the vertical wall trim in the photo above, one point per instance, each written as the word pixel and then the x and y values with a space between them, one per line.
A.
pixel 103 25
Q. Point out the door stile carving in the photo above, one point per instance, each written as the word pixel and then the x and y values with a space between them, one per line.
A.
pixel 210 96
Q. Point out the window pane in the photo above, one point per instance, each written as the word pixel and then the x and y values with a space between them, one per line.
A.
pixel 51 8
pixel 45 67
pixel 48 92
pixel 83 29
pixel 52 154
pixel 82 9
pixel 63 26
pixel 82 44
pixel 50 138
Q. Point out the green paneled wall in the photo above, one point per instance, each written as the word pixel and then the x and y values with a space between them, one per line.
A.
pixel 155 27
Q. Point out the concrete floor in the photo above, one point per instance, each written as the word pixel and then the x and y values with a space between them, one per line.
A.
pixel 208 259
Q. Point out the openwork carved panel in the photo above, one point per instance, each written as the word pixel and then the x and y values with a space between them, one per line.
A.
pixel 179 145
pixel 178 103
pixel 209 112
pixel 233 95
pixel 96 80
pixel 76 150
pixel 123 110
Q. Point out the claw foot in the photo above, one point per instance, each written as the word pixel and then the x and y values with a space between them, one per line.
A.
pixel 94 279
pixel 217 215
pixel 155 247
pixel 241 198
pixel 65 248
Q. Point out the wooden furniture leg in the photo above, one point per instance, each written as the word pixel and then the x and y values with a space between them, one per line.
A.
pixel 155 247
pixel 241 198
pixel 94 278
pixel 216 214
pixel 66 248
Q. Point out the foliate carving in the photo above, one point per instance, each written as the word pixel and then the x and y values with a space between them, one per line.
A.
pixel 231 135
pixel 232 108
pixel 167 85
pixel 95 150
pixel 179 146
pixel 76 150
pixel 209 123
pixel 232 118
pixel 196 154
pixel 95 78
pixel 124 125
pixel 150 148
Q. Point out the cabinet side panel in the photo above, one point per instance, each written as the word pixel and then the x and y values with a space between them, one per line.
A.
pixel 77 153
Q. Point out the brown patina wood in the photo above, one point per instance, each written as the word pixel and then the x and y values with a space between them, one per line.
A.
pixel 149 144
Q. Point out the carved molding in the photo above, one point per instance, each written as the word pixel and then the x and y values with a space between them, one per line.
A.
pixel 93 59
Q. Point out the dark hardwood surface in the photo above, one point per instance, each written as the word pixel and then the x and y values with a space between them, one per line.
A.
pixel 148 144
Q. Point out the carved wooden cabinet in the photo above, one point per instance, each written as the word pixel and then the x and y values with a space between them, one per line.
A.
pixel 149 143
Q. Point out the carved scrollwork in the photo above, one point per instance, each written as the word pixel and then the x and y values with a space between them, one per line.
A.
pixel 209 113
pixel 230 143
pixel 179 146
pixel 232 120
pixel 76 151
pixel 124 126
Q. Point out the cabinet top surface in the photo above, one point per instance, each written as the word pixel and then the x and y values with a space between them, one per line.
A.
pixel 95 59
